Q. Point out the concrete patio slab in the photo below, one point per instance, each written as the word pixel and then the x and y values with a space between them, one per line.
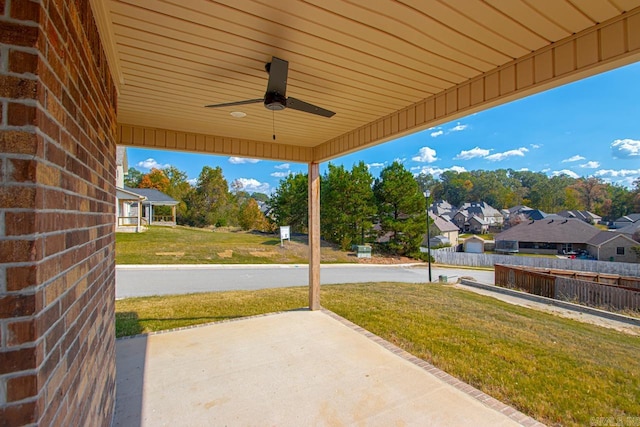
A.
pixel 285 369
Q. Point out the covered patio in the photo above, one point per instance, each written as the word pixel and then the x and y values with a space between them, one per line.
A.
pixel 291 369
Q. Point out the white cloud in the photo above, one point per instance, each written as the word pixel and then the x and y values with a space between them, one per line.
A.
pixel 400 160
pixel 567 172
pixel 523 170
pixel 618 173
pixel 280 174
pixel 535 145
pixel 625 148
pixel 474 152
pixel 253 185
pixel 437 133
pixel 590 165
pixel 498 157
pixel 374 165
pixel 242 160
pixel 545 170
pixel 458 128
pixel 283 166
pixel 425 155
pixel 151 164
pixel 193 181
pixel 436 171
pixel 575 158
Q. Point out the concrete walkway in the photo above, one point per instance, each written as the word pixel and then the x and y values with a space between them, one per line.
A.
pixel 290 369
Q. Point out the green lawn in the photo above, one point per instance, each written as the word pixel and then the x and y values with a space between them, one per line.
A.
pixel 182 245
pixel 559 371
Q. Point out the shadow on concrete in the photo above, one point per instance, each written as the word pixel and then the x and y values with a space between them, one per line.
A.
pixel 131 354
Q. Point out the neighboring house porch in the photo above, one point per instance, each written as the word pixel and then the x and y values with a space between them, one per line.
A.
pixel 128 218
pixel 154 199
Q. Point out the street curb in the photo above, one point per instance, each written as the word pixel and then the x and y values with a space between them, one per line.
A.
pixel 255 266
pixel 564 304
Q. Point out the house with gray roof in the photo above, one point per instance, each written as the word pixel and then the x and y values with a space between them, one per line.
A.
pixel 550 236
pixel 612 246
pixel 626 220
pixel 446 230
pixel 152 199
pixel 585 216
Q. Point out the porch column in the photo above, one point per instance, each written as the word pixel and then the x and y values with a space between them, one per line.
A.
pixel 173 214
pixel 314 236
pixel 139 215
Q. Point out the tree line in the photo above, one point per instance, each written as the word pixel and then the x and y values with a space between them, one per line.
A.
pixel 357 208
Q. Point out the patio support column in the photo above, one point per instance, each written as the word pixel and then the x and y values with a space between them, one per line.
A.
pixel 139 215
pixel 314 236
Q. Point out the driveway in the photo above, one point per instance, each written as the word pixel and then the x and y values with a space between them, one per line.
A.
pixel 147 280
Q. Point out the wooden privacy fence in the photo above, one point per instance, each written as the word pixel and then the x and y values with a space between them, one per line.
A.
pixel 567 289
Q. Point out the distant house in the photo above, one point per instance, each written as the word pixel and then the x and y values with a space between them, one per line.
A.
pixel 473 244
pixel 630 229
pixel 484 211
pixel 586 216
pixel 478 225
pixel 550 236
pixel 442 207
pixel 626 220
pixel 152 199
pixel 446 230
pixel 128 217
pixel 526 212
pixel 612 246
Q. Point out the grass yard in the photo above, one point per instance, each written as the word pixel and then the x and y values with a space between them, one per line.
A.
pixel 486 236
pixel 557 370
pixel 182 245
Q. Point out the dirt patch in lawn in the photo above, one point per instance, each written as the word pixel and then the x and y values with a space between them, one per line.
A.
pixel 225 254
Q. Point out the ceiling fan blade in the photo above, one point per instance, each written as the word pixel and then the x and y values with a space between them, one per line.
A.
pixel 278 71
pixel 296 104
pixel 231 104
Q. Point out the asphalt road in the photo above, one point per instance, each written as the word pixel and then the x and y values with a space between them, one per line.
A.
pixel 146 280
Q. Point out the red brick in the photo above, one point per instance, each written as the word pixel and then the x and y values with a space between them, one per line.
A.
pixel 19 223
pixel 19 142
pixel 23 170
pixel 23 62
pixel 21 277
pixel 17 360
pixel 16 306
pixel 18 35
pixel 1 7
pixel 21 333
pixel 16 87
pixel 19 388
pixel 19 197
pixel 18 415
pixel 21 114
pixel 19 250
pixel 25 10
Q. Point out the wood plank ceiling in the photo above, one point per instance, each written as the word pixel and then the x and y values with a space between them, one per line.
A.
pixel 368 61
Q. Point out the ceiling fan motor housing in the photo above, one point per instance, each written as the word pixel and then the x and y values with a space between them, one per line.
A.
pixel 274 101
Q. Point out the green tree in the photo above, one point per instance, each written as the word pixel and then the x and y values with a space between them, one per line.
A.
pixel 179 189
pixel 347 205
pixel 591 192
pixel 289 202
pixel 211 202
pixel 132 178
pixel 401 209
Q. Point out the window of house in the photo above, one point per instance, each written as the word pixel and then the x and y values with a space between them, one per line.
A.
pixel 620 250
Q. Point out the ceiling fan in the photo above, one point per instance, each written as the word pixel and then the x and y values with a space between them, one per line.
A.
pixel 275 98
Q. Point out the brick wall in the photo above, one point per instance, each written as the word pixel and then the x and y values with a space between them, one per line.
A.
pixel 57 175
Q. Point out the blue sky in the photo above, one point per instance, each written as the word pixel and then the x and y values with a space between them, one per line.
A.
pixel 587 128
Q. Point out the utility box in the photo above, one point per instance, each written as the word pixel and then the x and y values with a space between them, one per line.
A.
pixel 363 251
pixel 443 279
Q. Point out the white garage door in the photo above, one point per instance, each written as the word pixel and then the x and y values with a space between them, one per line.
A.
pixel 475 247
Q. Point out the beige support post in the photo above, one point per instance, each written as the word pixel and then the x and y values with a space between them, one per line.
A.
pixel 314 236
